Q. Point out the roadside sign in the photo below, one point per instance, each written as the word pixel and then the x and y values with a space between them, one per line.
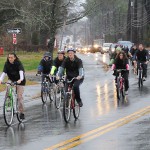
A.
pixel 14 31
pixel 14 39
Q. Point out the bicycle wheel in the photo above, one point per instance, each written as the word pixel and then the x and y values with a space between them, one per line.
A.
pixel 52 90
pixel 118 89
pixel 44 93
pixel 140 81
pixel 67 107
pixel 18 112
pixel 58 98
pixel 8 110
pixel 76 110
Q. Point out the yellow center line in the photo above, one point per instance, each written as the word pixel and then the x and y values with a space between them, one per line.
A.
pixel 99 131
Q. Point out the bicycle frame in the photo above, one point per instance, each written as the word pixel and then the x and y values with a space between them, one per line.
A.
pixel 10 94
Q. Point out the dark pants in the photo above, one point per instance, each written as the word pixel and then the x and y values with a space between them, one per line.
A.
pixel 125 75
pixel 76 89
pixel 144 66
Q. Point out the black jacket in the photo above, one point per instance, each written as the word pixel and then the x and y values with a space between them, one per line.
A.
pixel 142 56
pixel 45 66
pixel 72 67
pixel 12 71
pixel 121 64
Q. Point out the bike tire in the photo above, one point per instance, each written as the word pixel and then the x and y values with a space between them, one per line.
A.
pixel 52 93
pixel 8 111
pixel 76 110
pixel 58 95
pixel 44 96
pixel 67 107
pixel 18 113
pixel 140 81
pixel 118 89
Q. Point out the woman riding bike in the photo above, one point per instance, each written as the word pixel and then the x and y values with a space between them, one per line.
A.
pixel 121 62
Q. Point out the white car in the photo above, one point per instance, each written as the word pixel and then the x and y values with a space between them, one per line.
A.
pixel 106 47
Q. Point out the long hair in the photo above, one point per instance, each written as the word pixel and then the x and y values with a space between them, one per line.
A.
pixel 124 56
pixel 17 59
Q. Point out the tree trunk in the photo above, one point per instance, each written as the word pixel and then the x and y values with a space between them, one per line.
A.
pixel 53 27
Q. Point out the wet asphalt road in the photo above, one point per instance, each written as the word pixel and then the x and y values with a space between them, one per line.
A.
pixel 101 114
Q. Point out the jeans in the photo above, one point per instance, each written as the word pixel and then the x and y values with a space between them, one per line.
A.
pixel 144 66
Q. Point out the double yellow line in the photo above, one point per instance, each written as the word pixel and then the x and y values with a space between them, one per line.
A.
pixel 73 142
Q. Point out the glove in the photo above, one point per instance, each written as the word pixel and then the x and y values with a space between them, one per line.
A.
pixel 79 77
pixel 57 77
pixel 113 67
pixel 127 67
pixel 38 72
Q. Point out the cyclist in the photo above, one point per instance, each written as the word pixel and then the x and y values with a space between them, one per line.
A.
pixel 117 50
pixel 142 56
pixel 74 68
pixel 15 72
pixel 57 62
pixel 45 65
pixel 121 62
pixel 133 52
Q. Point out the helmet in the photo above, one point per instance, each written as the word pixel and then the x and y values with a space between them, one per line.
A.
pixel 118 48
pixel 48 54
pixel 61 52
pixel 71 49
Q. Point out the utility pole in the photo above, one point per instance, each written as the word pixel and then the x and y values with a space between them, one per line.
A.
pixel 132 15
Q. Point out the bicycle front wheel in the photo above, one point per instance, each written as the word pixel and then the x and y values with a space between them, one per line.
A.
pixel 67 107
pixel 76 110
pixel 140 82
pixel 58 98
pixel 8 111
pixel 18 113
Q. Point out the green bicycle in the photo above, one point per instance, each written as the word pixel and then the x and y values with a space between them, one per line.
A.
pixel 11 106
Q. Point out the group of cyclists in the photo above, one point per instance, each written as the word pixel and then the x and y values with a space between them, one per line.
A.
pixel 120 60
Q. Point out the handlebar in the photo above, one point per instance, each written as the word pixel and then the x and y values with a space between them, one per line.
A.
pixel 10 83
pixel 119 70
pixel 69 81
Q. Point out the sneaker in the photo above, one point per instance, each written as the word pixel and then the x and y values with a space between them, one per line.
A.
pixel 80 104
pixel 22 116
pixel 126 92
pixel 144 79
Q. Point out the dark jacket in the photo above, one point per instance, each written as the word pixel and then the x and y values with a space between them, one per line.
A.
pixel 45 66
pixel 121 64
pixel 142 56
pixel 72 67
pixel 12 71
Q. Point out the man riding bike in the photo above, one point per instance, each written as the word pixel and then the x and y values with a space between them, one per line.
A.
pixel 15 72
pixel 74 68
pixel 121 62
pixel 45 65
pixel 142 56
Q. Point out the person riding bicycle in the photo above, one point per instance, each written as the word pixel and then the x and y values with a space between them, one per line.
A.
pixel 16 73
pixel 74 68
pixel 133 51
pixel 121 62
pixel 57 62
pixel 112 59
pixel 142 56
pixel 45 65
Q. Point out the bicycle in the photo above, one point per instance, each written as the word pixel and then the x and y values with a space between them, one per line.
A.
pixel 11 105
pixel 69 102
pixel 120 84
pixel 46 88
pixel 59 91
pixel 140 74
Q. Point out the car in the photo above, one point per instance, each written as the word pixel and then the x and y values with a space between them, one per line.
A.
pixel 125 44
pixel 106 47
